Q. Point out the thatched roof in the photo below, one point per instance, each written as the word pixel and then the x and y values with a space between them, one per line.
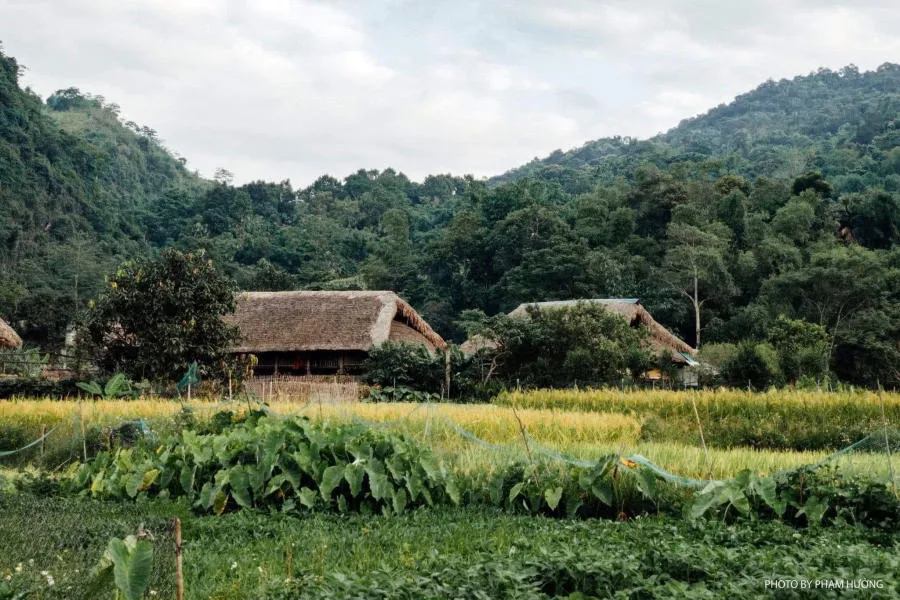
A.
pixel 8 337
pixel 630 309
pixel 332 320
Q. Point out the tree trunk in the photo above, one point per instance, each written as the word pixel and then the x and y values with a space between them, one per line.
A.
pixel 696 314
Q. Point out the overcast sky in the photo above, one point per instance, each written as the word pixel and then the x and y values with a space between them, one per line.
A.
pixel 276 89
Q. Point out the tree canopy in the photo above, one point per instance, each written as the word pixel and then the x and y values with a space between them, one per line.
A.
pixel 782 202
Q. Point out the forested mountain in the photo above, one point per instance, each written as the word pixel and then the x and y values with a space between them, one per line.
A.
pixel 75 185
pixel 786 201
pixel 841 123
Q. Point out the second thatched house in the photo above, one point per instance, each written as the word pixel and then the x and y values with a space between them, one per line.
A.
pixel 8 337
pixel 324 333
pixel 660 339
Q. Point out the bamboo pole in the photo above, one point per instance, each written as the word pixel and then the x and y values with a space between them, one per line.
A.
pixel 887 441
pixel 179 575
pixel 537 478
pixel 702 439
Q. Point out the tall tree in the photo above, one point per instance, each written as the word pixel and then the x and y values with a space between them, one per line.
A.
pixel 694 265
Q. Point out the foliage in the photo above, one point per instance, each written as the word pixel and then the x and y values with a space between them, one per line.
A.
pixel 158 316
pixel 12 387
pixel 285 464
pixel 64 537
pixel 584 344
pixel 403 364
pixel 752 366
pixel 400 394
pixel 28 363
pixel 777 211
pixel 459 553
pixel 802 348
pixel 116 386
pixel 128 563
pixel 804 496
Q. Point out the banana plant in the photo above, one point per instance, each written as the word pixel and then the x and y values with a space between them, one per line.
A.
pixel 116 387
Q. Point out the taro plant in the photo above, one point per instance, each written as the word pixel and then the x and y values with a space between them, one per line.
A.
pixel 284 464
pixel 126 565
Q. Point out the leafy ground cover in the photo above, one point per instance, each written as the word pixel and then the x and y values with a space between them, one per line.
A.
pixel 439 553
pixel 294 464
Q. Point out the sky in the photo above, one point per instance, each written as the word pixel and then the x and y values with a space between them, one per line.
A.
pixel 285 89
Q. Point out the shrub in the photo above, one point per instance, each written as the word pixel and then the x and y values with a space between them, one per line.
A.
pixel 753 365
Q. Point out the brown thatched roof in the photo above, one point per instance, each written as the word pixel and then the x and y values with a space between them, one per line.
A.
pixel 8 337
pixel 346 320
pixel 630 309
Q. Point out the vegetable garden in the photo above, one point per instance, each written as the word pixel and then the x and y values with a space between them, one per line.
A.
pixel 303 488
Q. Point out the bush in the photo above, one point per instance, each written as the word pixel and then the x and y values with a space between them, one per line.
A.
pixel 404 364
pixel 753 365
pixel 11 387
pixel 584 344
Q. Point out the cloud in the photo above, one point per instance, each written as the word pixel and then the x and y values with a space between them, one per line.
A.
pixel 295 89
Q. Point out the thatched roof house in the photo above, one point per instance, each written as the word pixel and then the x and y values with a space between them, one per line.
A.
pixel 8 337
pixel 630 309
pixel 324 332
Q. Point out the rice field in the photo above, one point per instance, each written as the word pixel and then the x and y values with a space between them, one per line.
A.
pixel 555 421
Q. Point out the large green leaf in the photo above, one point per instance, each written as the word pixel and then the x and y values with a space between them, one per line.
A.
pixel 646 482
pixel 603 491
pixel 91 387
pixel 115 386
pixel 814 509
pixel 308 497
pixel 399 500
pixel 515 491
pixel 552 496
pixel 331 478
pixel 186 479
pixel 354 474
pixel 431 468
pixel 240 486
pixel 132 565
pixel 380 485
pixel 453 490
pixel 767 489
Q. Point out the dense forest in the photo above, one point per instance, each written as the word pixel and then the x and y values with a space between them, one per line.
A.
pixel 785 201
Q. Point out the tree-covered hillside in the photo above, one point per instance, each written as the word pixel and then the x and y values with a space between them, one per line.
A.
pixel 786 201
pixel 842 123
pixel 74 185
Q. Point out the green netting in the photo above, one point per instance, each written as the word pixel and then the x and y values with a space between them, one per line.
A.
pixel 190 378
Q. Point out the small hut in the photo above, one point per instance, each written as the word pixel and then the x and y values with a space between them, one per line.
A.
pixel 8 337
pixel 324 333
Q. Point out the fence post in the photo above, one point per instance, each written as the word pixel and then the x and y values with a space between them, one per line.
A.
pixel 179 576
pixel 887 440
pixel 43 433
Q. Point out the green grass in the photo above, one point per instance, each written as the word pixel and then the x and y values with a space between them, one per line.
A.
pixel 436 553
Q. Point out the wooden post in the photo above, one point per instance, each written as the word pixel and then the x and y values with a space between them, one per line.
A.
pixel 702 439
pixel 447 371
pixel 43 433
pixel 534 469
pixel 179 576
pixel 83 439
pixel 887 440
